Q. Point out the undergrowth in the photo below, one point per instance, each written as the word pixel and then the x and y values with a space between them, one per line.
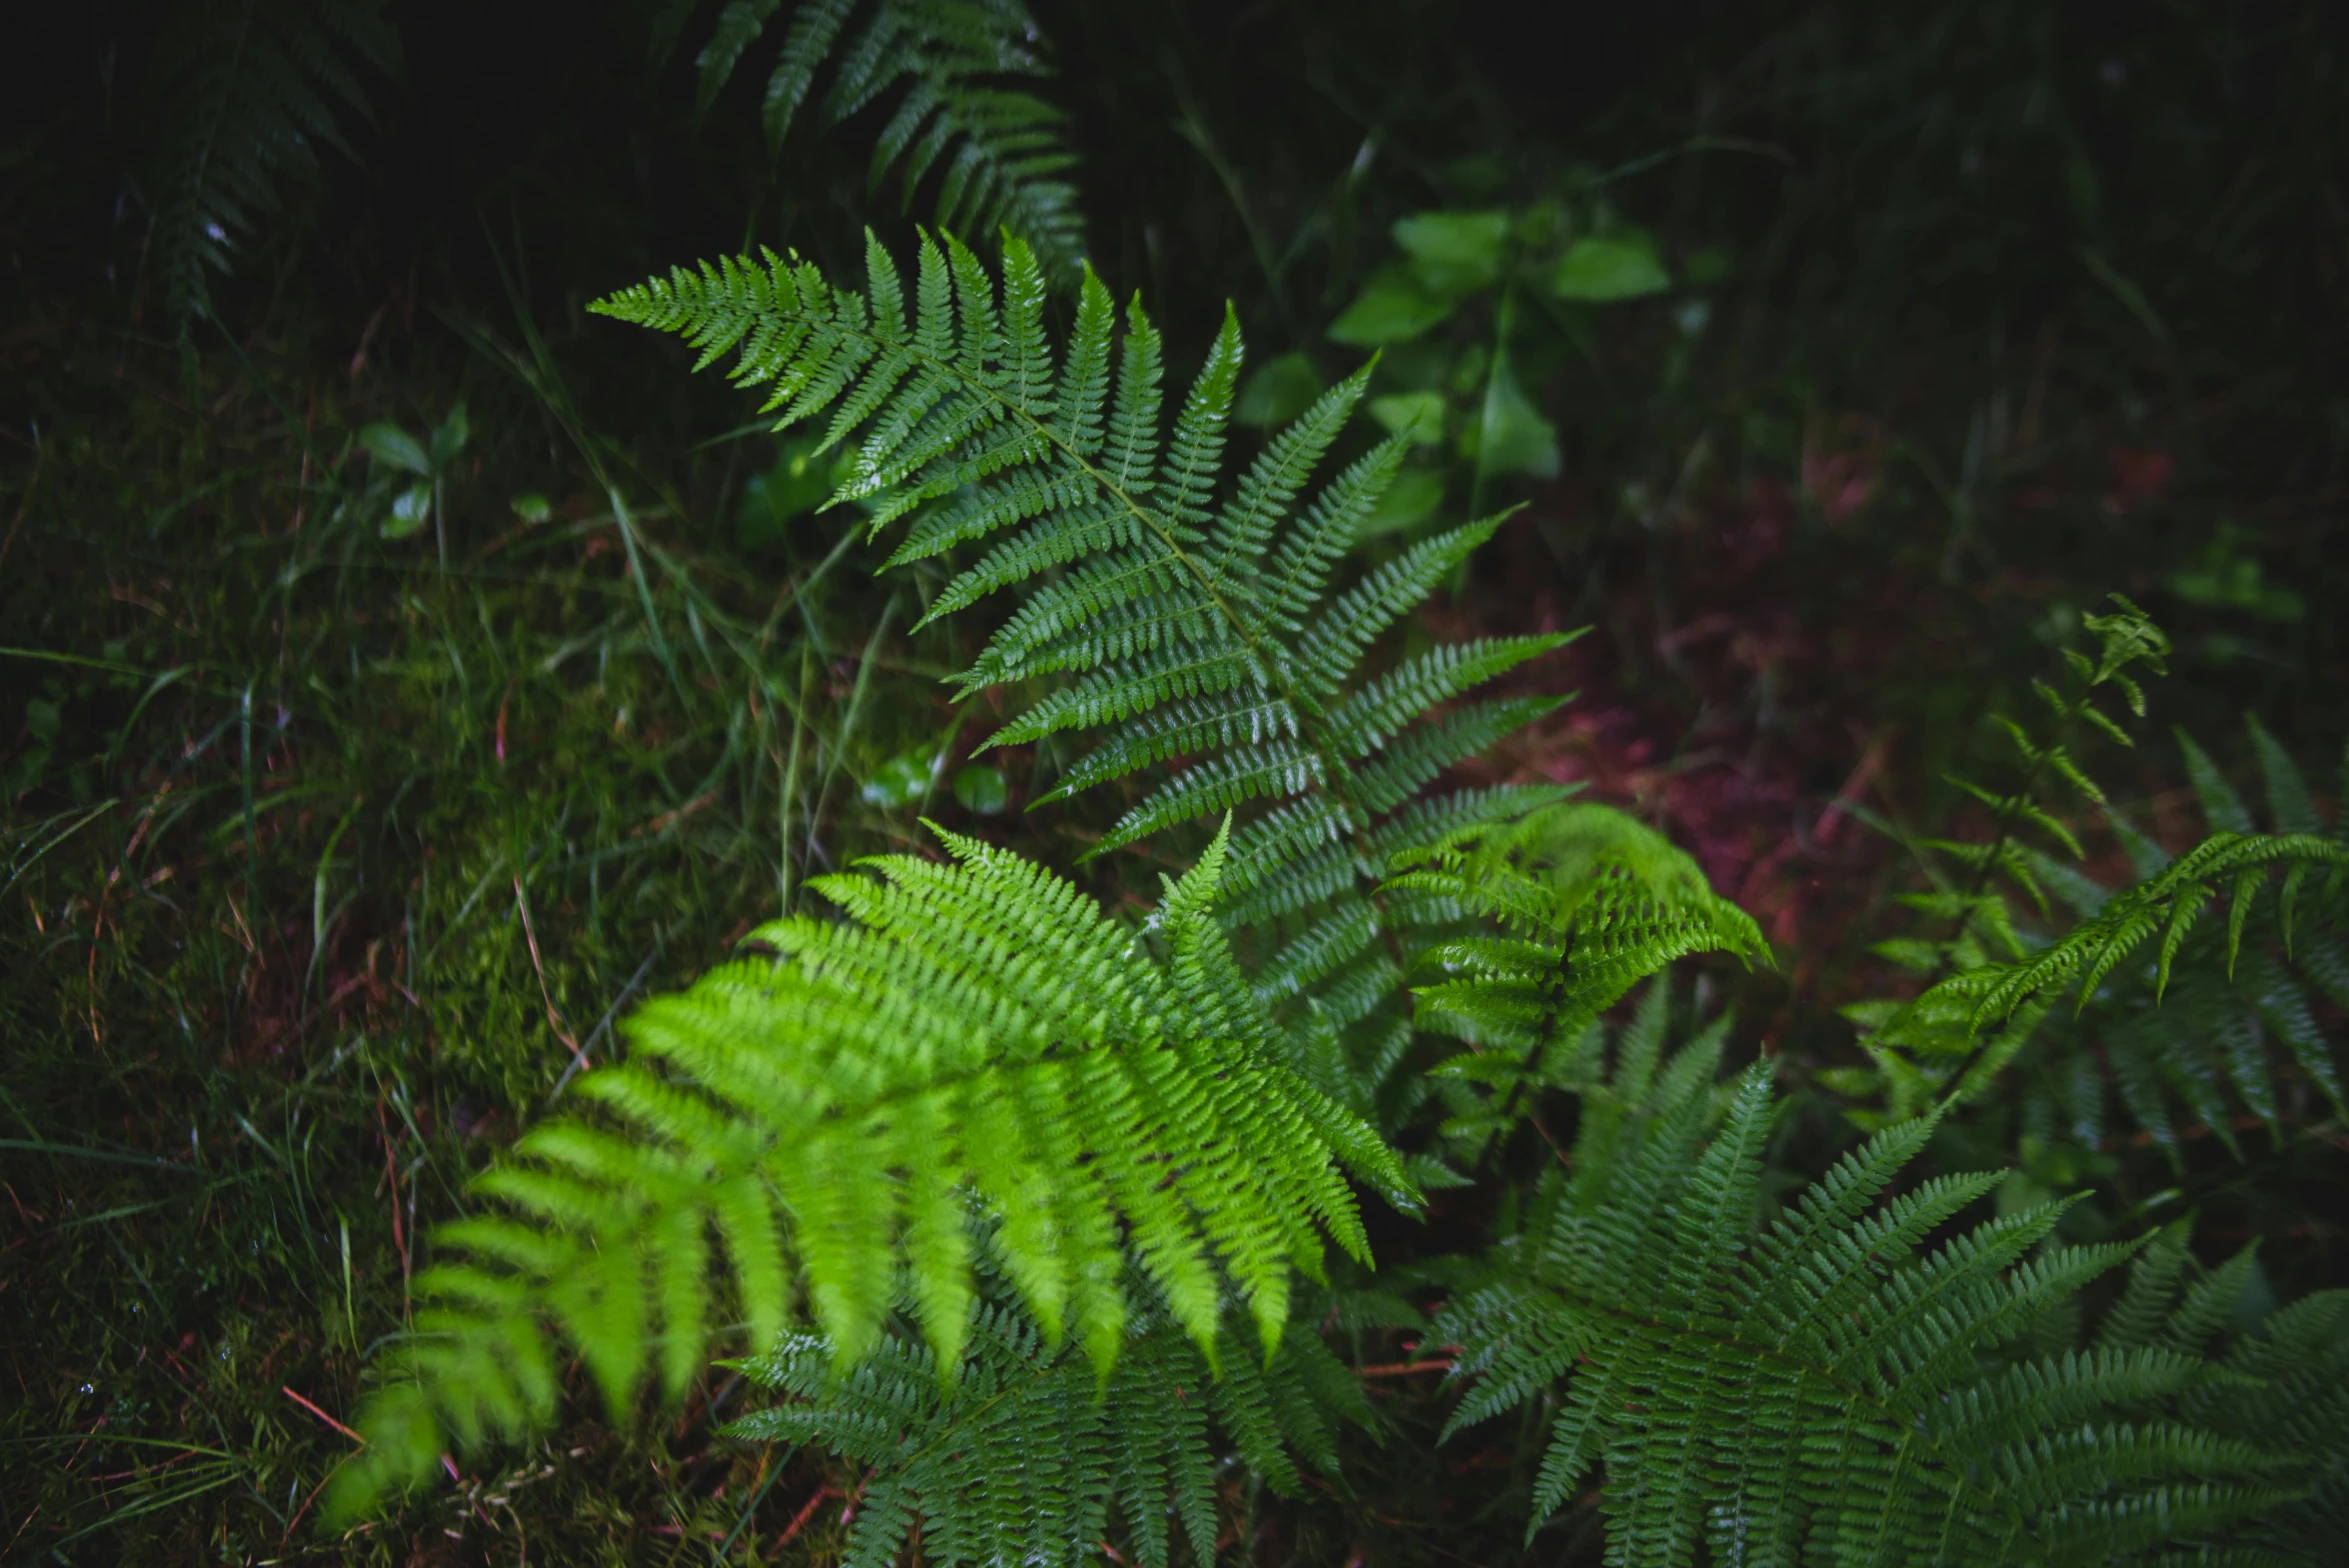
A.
pixel 406 677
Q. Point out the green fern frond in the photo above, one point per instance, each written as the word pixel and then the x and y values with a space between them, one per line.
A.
pixel 2170 903
pixel 1822 1388
pixel 2240 1012
pixel 249 91
pixel 2204 1029
pixel 1599 902
pixel 1587 903
pixel 972 1034
pixel 1190 614
pixel 1027 1454
pixel 966 110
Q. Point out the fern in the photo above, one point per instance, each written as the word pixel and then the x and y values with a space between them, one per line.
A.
pixel 2168 1007
pixel 1587 903
pixel 2198 1019
pixel 1185 627
pixel 998 149
pixel 1982 924
pixel 1996 982
pixel 1822 1388
pixel 1024 1454
pixel 973 1033
pixel 249 90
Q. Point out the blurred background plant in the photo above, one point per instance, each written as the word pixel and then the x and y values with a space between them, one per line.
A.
pixel 1845 357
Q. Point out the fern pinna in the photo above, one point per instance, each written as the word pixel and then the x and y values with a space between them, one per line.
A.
pixel 1184 624
pixel 1812 1389
pixel 973 1034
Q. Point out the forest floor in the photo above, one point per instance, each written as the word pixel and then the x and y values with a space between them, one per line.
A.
pixel 346 808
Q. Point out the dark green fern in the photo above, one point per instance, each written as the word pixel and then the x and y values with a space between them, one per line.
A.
pixel 1823 1386
pixel 2000 960
pixel 961 111
pixel 249 90
pixel 2210 1020
pixel 1027 1453
pixel 975 1040
pixel 2167 1009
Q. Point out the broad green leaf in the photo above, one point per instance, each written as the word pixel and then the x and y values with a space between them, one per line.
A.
pixel 1455 253
pixel 981 788
pixel 1605 267
pixel 1394 306
pixel 411 510
pixel 801 480
pixel 1419 413
pixel 450 439
pixel 1279 392
pixel 903 780
pixel 1409 501
pixel 1511 437
pixel 390 445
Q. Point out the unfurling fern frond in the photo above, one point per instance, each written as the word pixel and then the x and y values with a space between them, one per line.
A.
pixel 972 1035
pixel 1025 1455
pixel 1192 624
pixel 998 149
pixel 250 90
pixel 1815 1389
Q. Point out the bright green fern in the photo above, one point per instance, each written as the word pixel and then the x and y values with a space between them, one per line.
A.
pixel 974 1037
pixel 1192 625
pixel 998 150
pixel 1824 1385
